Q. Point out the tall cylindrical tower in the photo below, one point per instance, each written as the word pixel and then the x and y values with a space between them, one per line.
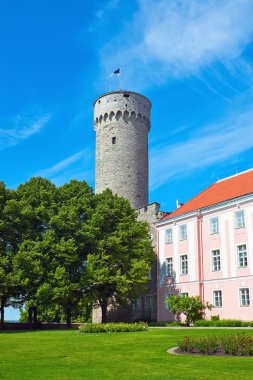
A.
pixel 122 123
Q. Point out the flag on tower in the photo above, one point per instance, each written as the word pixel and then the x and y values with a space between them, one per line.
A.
pixel 116 72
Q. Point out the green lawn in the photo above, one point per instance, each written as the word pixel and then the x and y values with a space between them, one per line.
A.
pixel 142 355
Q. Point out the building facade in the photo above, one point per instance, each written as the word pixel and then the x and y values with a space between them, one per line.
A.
pixel 205 248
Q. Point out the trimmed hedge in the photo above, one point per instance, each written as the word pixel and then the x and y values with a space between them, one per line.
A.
pixel 240 344
pixel 223 323
pixel 166 324
pixel 112 327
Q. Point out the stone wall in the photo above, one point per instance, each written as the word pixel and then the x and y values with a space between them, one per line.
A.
pixel 122 123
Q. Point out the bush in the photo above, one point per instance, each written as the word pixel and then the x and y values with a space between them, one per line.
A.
pixel 239 344
pixel 112 327
pixel 222 323
pixel 192 307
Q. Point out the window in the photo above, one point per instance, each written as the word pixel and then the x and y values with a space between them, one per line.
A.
pixel 184 294
pixel 184 264
pixel 214 226
pixel 149 302
pixel 182 232
pixel 217 298
pixel 113 140
pixel 137 304
pixel 168 236
pixel 242 256
pixel 239 219
pixel 244 297
pixel 169 271
pixel 216 260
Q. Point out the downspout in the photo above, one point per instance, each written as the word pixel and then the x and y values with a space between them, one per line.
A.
pixel 157 275
pixel 200 255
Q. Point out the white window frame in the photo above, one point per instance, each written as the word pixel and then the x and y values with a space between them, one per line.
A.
pixel 183 232
pixel 244 299
pixel 244 257
pixel 217 298
pixel 168 236
pixel 184 294
pixel 239 220
pixel 213 257
pixel 169 266
pixel 184 268
pixel 214 227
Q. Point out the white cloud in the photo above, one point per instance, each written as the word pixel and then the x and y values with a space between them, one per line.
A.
pixel 178 38
pixel 214 144
pixel 78 166
pixel 23 127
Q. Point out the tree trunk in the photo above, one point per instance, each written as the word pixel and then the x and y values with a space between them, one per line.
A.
pixel 35 315
pixel 2 314
pixel 104 311
pixel 30 316
pixel 68 317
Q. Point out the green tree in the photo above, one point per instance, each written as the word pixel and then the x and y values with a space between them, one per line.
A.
pixel 36 202
pixel 122 253
pixel 192 307
pixel 73 242
pixel 9 238
pixel 51 260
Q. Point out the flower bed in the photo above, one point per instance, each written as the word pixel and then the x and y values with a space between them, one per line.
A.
pixel 240 344
pixel 112 327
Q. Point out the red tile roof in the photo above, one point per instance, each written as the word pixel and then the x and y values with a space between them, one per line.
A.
pixel 223 190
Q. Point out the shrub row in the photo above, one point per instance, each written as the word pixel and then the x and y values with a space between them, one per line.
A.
pixel 223 323
pixel 112 327
pixel 239 344
pixel 166 324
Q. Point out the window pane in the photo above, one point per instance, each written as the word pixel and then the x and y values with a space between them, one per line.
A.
pixel 168 236
pixel 170 266
pixel 242 256
pixel 216 265
pixel 239 219
pixel 217 298
pixel 214 226
pixel 244 297
pixel 184 264
pixel 182 232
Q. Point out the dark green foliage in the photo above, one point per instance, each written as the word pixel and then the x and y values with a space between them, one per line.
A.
pixel 122 255
pixel 113 327
pixel 62 249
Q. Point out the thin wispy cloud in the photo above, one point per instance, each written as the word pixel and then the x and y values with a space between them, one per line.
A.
pixel 213 145
pixel 22 127
pixel 175 39
pixel 78 166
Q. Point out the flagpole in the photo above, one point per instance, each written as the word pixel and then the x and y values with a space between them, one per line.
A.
pixel 120 73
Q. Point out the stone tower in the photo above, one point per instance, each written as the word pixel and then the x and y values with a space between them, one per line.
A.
pixel 122 124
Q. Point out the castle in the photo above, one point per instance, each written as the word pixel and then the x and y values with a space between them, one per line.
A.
pixel 204 247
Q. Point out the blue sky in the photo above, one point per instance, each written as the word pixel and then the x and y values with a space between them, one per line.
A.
pixel 192 59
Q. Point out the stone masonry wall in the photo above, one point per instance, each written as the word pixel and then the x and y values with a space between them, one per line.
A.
pixel 122 123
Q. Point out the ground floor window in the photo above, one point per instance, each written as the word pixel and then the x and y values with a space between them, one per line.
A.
pixel 244 297
pixel 217 298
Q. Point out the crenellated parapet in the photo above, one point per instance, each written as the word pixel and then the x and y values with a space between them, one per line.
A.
pixel 122 105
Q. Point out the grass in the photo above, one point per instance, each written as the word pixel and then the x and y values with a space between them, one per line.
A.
pixel 69 355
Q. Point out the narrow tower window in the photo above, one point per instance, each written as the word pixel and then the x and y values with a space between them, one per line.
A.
pixel 113 140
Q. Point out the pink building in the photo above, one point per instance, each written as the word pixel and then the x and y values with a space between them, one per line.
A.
pixel 205 248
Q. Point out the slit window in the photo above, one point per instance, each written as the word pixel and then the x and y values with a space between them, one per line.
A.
pixel 114 140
